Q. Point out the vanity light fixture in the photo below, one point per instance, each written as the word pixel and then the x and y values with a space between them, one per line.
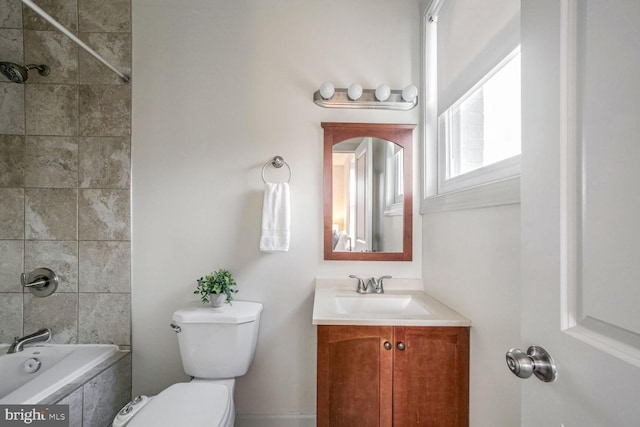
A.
pixel 382 98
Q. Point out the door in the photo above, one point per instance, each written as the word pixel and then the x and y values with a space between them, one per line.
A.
pixel 364 196
pixel 581 210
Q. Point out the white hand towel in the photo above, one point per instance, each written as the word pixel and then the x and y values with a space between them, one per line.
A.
pixel 276 218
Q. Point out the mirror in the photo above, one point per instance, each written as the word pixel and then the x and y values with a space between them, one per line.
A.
pixel 367 191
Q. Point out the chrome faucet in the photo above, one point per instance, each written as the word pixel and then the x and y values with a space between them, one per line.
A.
pixel 376 284
pixel 362 287
pixel 43 335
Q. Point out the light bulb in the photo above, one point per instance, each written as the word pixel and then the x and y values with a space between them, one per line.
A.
pixel 327 90
pixel 383 92
pixel 354 91
pixel 410 93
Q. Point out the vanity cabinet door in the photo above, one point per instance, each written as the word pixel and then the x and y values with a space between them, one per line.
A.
pixel 355 378
pixel 431 377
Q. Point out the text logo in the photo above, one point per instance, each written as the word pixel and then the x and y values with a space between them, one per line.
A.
pixel 34 415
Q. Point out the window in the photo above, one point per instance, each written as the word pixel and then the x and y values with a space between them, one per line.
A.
pixel 479 135
pixel 471 78
pixel 394 189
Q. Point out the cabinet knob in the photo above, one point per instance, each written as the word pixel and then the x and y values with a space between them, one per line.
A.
pixel 387 345
pixel 401 346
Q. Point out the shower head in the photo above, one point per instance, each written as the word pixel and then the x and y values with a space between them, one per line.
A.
pixel 19 74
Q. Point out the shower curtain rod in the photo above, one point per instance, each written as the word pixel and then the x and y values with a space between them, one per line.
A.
pixel 125 78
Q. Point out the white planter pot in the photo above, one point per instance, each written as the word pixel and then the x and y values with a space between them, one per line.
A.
pixel 217 300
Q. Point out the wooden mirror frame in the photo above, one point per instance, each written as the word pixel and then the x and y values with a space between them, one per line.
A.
pixel 401 134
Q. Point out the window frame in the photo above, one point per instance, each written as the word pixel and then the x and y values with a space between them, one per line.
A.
pixel 492 185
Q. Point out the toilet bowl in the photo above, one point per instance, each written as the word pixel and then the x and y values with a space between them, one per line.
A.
pixel 216 346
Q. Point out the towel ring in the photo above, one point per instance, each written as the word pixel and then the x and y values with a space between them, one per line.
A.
pixel 277 162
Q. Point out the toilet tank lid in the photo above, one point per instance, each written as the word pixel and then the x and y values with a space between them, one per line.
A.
pixel 236 312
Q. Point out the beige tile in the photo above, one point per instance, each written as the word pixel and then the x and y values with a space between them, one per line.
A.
pixel 58 312
pixel 51 161
pixel 12 213
pixel 11 309
pixel 104 215
pixel 63 11
pixel 115 48
pixel 11 259
pixel 55 50
pixel 105 110
pixel 104 162
pixel 11 46
pixel 106 394
pixel 10 14
pixel 11 108
pixel 51 109
pixel 61 257
pixel 51 214
pixel 104 16
pixel 105 318
pixel 11 161
pixel 105 266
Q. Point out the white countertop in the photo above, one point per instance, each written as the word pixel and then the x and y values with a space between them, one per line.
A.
pixel 435 313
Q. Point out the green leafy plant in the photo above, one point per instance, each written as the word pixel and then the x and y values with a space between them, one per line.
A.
pixel 218 282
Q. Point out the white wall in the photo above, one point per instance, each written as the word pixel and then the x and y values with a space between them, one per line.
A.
pixel 219 88
pixel 472 262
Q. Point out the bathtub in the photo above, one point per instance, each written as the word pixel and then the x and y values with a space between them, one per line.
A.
pixel 60 364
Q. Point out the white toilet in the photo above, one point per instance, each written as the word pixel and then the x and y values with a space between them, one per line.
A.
pixel 216 345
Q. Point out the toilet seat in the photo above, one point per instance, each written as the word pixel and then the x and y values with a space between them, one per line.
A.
pixel 193 404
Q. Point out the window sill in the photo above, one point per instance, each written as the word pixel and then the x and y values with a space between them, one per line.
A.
pixel 395 209
pixel 497 193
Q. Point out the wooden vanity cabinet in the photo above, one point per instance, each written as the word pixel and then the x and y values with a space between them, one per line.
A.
pixel 397 376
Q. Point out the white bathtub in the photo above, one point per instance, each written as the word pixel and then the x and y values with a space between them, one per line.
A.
pixel 60 364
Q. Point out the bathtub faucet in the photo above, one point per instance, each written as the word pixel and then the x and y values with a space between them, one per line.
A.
pixel 43 335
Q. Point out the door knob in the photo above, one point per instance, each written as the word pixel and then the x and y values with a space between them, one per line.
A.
pixel 535 361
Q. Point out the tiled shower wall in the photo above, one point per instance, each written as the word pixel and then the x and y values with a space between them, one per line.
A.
pixel 65 172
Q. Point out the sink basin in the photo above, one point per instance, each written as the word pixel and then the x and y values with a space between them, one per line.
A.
pixel 403 303
pixel 357 304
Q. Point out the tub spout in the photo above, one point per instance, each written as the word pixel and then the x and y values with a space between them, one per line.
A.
pixel 43 335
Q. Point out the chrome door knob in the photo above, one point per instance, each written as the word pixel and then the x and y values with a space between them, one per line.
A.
pixel 401 346
pixel 519 363
pixel 387 345
pixel 535 361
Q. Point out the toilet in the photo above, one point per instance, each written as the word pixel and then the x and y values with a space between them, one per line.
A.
pixel 216 346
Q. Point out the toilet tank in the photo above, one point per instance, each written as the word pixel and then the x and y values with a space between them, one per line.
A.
pixel 218 343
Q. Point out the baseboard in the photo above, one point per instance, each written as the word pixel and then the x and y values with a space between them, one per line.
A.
pixel 275 420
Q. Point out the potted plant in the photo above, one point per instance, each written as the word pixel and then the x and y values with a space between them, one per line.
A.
pixel 216 288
